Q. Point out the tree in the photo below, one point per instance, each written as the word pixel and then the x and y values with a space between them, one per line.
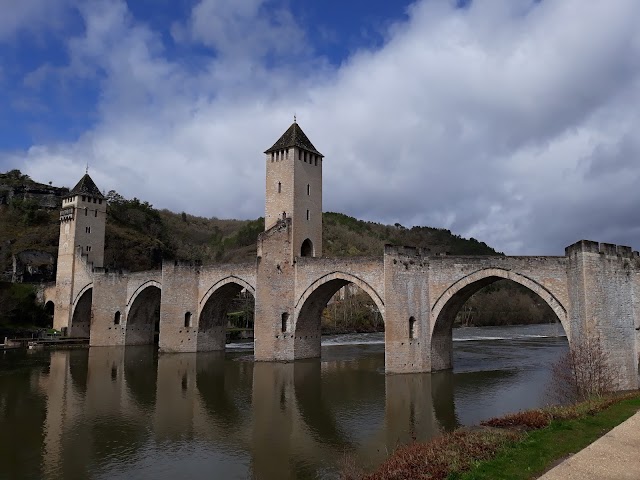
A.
pixel 584 372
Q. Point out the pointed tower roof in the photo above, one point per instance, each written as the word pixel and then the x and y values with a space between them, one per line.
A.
pixel 86 186
pixel 294 137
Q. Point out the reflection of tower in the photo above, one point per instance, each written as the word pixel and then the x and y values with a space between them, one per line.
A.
pixel 82 231
pixel 64 428
pixel 294 190
pixel 175 395
pixel 55 387
pixel 409 408
pixel 273 405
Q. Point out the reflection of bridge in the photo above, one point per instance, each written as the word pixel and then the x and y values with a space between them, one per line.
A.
pixel 594 289
pixel 276 415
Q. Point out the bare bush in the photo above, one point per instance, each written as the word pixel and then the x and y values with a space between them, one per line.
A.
pixel 584 372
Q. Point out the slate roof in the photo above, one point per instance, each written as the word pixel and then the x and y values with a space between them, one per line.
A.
pixel 86 186
pixel 294 137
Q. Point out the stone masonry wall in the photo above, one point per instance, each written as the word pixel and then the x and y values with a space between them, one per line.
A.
pixel 604 291
pixel 406 325
pixel 309 173
pixel 275 287
pixel 279 200
pixel 179 296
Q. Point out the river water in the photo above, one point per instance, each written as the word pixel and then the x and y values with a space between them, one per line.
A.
pixel 115 413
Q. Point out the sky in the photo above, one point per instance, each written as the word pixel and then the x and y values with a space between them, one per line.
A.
pixel 511 121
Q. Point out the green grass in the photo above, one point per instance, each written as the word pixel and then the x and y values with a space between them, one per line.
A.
pixel 539 449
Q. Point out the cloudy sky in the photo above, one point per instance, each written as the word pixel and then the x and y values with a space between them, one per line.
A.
pixel 516 122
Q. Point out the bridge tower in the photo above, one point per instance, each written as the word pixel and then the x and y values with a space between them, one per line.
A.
pixel 80 248
pixel 293 229
pixel 294 190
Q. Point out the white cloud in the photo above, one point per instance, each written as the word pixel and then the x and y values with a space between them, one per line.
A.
pixel 32 16
pixel 510 121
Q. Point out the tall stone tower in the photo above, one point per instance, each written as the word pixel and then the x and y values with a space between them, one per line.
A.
pixel 294 190
pixel 80 248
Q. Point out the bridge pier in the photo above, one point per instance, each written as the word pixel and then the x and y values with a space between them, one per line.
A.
pixel 275 287
pixel 178 313
pixel 604 289
pixel 406 298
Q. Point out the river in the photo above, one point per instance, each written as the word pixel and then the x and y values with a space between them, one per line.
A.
pixel 115 413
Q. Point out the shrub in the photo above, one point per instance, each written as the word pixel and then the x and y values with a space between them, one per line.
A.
pixel 584 372
pixel 442 456
pixel 528 420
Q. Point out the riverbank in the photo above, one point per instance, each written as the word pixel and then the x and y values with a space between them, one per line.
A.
pixel 519 446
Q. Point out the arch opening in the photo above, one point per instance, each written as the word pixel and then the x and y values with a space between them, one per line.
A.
pixel 81 318
pixel 49 309
pixel 335 306
pixel 143 319
pixel 229 309
pixel 494 301
pixel 306 250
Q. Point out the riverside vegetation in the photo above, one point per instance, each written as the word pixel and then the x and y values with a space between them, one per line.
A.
pixel 139 237
pixel 522 445
pixel 519 446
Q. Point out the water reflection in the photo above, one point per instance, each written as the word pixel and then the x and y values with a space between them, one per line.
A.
pixel 129 413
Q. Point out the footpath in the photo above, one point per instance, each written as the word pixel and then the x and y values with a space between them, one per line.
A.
pixel 614 456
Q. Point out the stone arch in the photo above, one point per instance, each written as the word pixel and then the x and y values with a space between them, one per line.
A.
pixel 225 281
pixel 308 310
pixel 213 309
pixel 50 307
pixel 143 314
pixel 306 250
pixel 449 303
pixel 81 318
pixel 347 278
pixel 139 290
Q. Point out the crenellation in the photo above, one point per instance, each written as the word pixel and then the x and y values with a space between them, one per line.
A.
pixel 609 249
pixel 626 252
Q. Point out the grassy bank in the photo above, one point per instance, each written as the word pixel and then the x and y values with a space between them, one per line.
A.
pixel 519 446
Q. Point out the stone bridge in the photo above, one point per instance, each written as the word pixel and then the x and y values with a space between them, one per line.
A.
pixel 594 289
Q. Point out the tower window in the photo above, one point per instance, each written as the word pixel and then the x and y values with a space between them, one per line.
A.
pixel 99 202
pixel 83 198
pixel 316 161
pixel 308 215
pixel 412 327
pixel 279 187
pixel 187 319
pixel 88 248
pixel 308 189
pixel 86 211
pixel 95 214
pixel 284 321
pixel 87 229
pixel 299 154
pixel 116 318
